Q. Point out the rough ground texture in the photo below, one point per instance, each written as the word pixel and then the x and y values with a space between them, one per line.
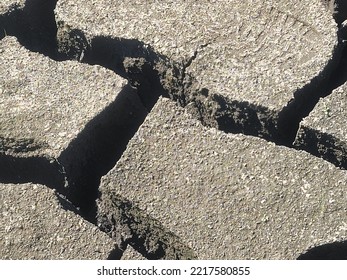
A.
pixel 131 254
pixel 252 166
pixel 328 115
pixel 50 102
pixel 238 193
pixel 323 132
pixel 34 225
pixel 250 51
pixel 59 113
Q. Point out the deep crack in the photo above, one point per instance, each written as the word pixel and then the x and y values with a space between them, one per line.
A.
pixel 152 75
pixel 306 98
pixel 97 149
pixel 37 170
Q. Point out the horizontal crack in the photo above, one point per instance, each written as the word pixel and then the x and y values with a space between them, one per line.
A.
pixel 37 170
pixel 152 75
pixel 102 142
pixel 322 145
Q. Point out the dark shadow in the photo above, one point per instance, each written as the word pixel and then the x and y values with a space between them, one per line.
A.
pixel 340 14
pixel 306 98
pixel 115 254
pixel 131 59
pixel 322 145
pixel 243 117
pixel 144 233
pixel 98 147
pixel 110 52
pixel 35 26
pixel 102 142
pixel 71 46
pixel 332 251
pixel 37 170
pixel 10 21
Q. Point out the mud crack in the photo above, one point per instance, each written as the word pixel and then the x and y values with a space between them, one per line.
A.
pixel 150 75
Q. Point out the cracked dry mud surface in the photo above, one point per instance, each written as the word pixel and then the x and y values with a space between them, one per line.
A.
pixel 173 129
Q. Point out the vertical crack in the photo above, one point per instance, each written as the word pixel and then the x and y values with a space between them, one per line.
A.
pixel 152 75
pixel 97 149
pixel 306 98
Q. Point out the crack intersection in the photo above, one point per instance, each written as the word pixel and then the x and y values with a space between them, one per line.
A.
pixel 151 75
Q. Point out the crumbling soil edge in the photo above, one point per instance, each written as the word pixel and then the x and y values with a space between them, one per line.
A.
pixel 150 73
pixel 306 98
pixel 127 224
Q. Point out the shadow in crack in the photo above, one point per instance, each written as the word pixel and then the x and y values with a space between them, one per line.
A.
pixel 34 26
pixel 332 251
pixel 115 254
pixel 242 117
pixel 10 21
pixel 232 116
pixel 104 139
pixel 37 170
pixel 131 59
pixel 340 14
pixel 98 147
pixel 322 145
pixel 306 98
pixel 110 52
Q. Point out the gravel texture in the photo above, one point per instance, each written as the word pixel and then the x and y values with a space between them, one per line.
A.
pixel 256 51
pixel 131 254
pixel 64 114
pixel 267 51
pixel 35 226
pixel 50 102
pixel 225 196
pixel 323 132
pixel 181 190
pixel 329 115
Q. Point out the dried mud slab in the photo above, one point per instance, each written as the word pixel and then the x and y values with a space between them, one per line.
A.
pixel 47 101
pixel 329 115
pixel 224 196
pixel 67 116
pixel 324 131
pixel 254 51
pixel 268 52
pixel 35 226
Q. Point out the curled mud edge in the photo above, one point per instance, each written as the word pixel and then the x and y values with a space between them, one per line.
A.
pixel 151 75
pixel 129 225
